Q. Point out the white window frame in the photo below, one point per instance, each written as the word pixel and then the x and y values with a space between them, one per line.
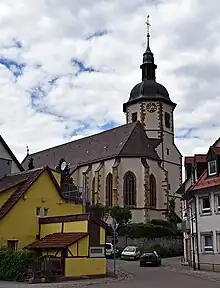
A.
pixel 207 249
pixel 213 161
pixel 218 241
pixel 205 211
pixel 217 203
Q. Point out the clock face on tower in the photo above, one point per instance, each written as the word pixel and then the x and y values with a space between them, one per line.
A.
pixel 151 107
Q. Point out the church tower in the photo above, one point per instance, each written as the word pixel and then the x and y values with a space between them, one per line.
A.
pixel 150 103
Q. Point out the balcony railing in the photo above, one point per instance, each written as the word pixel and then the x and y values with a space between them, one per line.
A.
pixel 74 193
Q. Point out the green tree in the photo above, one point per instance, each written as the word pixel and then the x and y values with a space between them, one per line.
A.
pixel 121 215
pixel 98 210
pixel 171 215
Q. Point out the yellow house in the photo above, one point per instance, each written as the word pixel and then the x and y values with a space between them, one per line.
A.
pixel 77 240
pixel 26 196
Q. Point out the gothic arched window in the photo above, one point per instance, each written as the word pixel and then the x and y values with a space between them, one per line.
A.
pixel 129 189
pixel 108 190
pixel 93 190
pixel 153 191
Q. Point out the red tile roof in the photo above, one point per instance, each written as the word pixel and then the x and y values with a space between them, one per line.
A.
pixel 28 178
pixel 205 182
pixel 189 159
pixel 216 150
pixel 24 180
pixel 57 240
pixel 195 159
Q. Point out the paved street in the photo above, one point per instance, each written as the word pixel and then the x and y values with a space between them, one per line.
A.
pixel 170 274
pixel 160 277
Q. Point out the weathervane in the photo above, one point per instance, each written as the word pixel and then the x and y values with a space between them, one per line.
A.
pixel 27 149
pixel 148 29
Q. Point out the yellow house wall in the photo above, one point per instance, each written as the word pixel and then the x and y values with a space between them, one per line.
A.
pixel 75 267
pixel 76 226
pixel 57 176
pixel 21 222
pixel 102 236
pixel 83 246
pixel 50 228
pixel 73 249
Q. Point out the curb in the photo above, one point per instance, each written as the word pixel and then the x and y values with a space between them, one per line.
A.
pixel 121 276
pixel 192 273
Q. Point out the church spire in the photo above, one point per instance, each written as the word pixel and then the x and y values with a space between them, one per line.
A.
pixel 148 67
pixel 148 33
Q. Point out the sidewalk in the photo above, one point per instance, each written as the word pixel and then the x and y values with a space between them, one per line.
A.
pixel 173 264
pixel 121 276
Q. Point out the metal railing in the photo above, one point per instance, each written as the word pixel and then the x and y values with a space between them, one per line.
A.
pixel 74 193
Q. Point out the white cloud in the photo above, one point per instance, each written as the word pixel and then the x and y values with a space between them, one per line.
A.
pixel 185 40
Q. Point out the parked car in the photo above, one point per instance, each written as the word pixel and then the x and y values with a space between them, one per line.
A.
pixel 131 253
pixel 109 250
pixel 150 259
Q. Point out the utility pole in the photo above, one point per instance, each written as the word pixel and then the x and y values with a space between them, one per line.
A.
pixel 193 241
pixel 114 227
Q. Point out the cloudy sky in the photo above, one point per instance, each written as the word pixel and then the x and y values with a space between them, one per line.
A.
pixel 66 67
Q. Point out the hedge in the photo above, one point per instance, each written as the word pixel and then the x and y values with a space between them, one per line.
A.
pixel 165 252
pixel 14 264
pixel 154 229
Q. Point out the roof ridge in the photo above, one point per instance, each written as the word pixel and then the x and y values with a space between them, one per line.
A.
pixel 134 126
pixel 12 200
pixel 86 137
pixel 198 180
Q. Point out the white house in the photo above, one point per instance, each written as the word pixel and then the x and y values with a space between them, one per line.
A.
pixel 201 215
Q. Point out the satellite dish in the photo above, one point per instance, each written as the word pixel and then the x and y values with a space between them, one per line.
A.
pixel 63 165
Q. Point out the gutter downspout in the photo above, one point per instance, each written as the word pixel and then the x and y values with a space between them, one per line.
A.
pixel 193 242
pixel 197 238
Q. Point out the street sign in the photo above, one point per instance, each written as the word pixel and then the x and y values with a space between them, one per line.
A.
pixel 114 225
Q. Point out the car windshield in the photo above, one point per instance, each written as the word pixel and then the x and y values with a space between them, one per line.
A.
pixel 130 249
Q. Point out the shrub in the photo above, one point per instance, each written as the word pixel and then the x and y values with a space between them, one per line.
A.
pixel 160 222
pixel 163 251
pixel 14 264
pixel 149 230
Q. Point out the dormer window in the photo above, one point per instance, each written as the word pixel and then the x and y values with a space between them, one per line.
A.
pixel 212 167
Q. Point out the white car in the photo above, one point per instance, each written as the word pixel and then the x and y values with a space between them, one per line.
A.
pixel 109 250
pixel 131 253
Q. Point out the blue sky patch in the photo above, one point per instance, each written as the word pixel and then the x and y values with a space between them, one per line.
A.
pixel 82 67
pixel 109 125
pixel 13 66
pixel 98 33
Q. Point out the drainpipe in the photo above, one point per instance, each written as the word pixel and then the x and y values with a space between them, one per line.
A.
pixel 193 244
pixel 197 236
